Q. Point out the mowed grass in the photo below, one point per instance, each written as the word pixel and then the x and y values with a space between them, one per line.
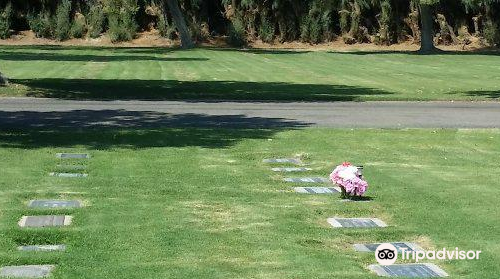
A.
pixel 199 203
pixel 204 73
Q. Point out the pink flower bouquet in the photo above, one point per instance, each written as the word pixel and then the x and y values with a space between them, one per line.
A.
pixel 349 179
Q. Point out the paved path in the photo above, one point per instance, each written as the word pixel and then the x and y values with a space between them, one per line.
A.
pixel 53 113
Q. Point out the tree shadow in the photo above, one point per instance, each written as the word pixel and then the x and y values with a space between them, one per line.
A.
pixel 40 56
pixel 148 50
pixel 100 89
pixel 259 50
pixel 120 118
pixel 130 138
pixel 485 51
pixel 489 94
pixel 133 129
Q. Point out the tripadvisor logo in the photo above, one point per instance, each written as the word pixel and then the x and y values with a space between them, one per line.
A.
pixel 387 254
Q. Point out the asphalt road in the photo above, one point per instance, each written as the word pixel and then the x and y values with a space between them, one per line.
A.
pixel 54 113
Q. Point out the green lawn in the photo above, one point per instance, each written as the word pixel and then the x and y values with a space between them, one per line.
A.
pixel 156 73
pixel 198 203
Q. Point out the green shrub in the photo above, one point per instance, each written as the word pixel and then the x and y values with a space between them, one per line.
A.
pixel 5 21
pixel 316 31
pixel 42 24
pixel 344 21
pixel 236 36
pixel 79 26
pixel 491 33
pixel 95 20
pixel 311 30
pixel 304 29
pixel 327 26
pixel 121 19
pixel 196 32
pixel 266 31
pixel 166 29
pixel 63 22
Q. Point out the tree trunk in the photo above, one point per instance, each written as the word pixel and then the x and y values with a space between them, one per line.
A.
pixel 426 34
pixel 180 23
pixel 3 80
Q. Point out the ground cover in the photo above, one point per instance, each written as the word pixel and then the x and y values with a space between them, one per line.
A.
pixel 200 203
pixel 212 73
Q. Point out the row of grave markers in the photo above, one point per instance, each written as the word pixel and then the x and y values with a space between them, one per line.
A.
pixel 43 221
pixel 418 270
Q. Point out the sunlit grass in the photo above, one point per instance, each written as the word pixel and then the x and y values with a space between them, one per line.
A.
pixel 160 206
pixel 162 73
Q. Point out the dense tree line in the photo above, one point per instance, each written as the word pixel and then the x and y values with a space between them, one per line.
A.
pixel 314 21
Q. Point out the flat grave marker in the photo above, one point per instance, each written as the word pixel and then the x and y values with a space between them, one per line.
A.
pixel 26 271
pixel 356 222
pixel 423 270
pixel 283 161
pixel 371 247
pixel 72 156
pixel 306 179
pixel 42 248
pixel 68 174
pixel 45 221
pixel 317 190
pixel 291 169
pixel 54 204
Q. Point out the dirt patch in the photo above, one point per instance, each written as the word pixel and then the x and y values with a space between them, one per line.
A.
pixel 153 39
pixel 145 39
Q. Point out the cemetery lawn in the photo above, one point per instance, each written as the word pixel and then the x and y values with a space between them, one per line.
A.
pixel 205 73
pixel 199 203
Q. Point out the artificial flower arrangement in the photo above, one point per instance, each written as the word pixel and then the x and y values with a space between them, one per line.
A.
pixel 350 180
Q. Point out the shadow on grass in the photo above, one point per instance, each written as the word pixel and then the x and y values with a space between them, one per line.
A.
pixel 59 56
pixel 490 94
pixel 131 129
pixel 163 50
pixel 91 89
pixel 131 138
pixel 258 50
pixel 359 199
pixel 492 52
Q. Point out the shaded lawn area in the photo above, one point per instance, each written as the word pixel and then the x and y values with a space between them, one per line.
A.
pixel 198 203
pixel 215 74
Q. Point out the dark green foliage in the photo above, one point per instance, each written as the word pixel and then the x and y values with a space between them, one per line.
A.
pixel 63 23
pixel 42 24
pixel 95 20
pixel 266 31
pixel 313 21
pixel 5 21
pixel 305 34
pixel 384 19
pixel 492 33
pixel 166 29
pixel 236 36
pixel 196 32
pixel 121 19
pixel 79 27
pixel 314 29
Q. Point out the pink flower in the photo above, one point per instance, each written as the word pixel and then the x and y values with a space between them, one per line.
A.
pixel 348 177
